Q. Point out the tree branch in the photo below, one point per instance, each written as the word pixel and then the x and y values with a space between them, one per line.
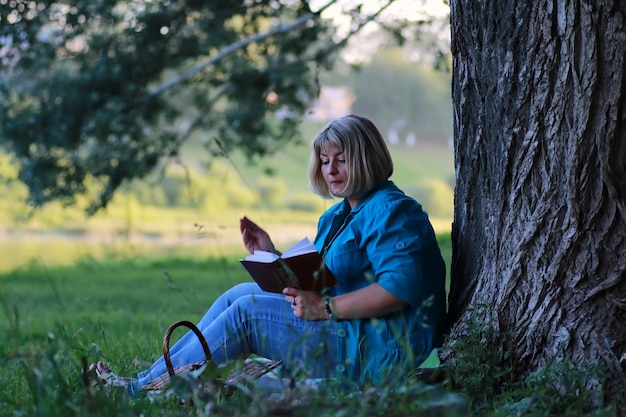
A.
pixel 258 37
pixel 233 47
pixel 331 48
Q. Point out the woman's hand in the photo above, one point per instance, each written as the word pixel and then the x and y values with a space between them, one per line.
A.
pixel 366 302
pixel 308 305
pixel 254 237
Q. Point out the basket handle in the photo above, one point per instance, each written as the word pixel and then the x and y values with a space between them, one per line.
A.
pixel 166 343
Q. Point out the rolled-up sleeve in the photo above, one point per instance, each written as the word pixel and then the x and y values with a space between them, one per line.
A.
pixel 399 247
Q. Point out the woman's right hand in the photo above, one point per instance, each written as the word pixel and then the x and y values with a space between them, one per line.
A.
pixel 255 238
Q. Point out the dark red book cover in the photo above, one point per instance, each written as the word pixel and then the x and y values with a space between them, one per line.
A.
pixel 305 271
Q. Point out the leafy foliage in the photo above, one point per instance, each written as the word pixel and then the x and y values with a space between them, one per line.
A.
pixel 86 86
pixel 484 366
pixel 484 369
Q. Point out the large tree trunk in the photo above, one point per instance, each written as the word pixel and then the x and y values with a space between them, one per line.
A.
pixel 539 232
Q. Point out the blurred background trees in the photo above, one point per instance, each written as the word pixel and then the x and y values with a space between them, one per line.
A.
pixel 95 94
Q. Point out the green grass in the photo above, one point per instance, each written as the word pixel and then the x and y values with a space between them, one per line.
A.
pixel 117 310
pixel 153 290
pixel 113 310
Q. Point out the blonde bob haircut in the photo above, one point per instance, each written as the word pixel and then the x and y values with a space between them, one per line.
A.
pixel 368 161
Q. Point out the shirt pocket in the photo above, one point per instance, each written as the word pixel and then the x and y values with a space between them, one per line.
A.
pixel 349 264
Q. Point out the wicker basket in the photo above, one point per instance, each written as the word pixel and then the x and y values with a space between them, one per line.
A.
pixel 251 369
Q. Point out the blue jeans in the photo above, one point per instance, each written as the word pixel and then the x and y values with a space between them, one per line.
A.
pixel 246 320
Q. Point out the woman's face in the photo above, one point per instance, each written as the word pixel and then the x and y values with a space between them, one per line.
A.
pixel 334 170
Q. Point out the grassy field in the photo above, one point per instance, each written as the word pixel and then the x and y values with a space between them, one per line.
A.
pixel 113 310
pixel 116 310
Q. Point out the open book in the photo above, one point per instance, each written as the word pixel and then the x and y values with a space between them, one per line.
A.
pixel 301 267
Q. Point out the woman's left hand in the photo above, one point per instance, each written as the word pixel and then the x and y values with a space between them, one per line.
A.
pixel 308 305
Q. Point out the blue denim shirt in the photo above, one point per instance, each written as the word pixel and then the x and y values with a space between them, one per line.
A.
pixel 386 238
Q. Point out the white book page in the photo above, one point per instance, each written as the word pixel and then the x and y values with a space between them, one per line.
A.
pixel 302 247
pixel 262 256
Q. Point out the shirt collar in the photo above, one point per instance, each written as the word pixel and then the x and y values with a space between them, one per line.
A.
pixel 362 202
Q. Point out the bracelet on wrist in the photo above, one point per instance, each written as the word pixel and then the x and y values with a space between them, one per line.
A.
pixel 329 311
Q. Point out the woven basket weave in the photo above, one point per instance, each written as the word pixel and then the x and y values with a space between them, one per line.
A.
pixel 251 369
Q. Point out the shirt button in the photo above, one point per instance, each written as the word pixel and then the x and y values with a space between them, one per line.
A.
pixel 341 333
pixel 340 368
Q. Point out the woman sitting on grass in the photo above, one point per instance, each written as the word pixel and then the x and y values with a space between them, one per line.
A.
pixel 388 310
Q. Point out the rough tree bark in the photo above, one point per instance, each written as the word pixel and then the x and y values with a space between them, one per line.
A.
pixel 539 231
